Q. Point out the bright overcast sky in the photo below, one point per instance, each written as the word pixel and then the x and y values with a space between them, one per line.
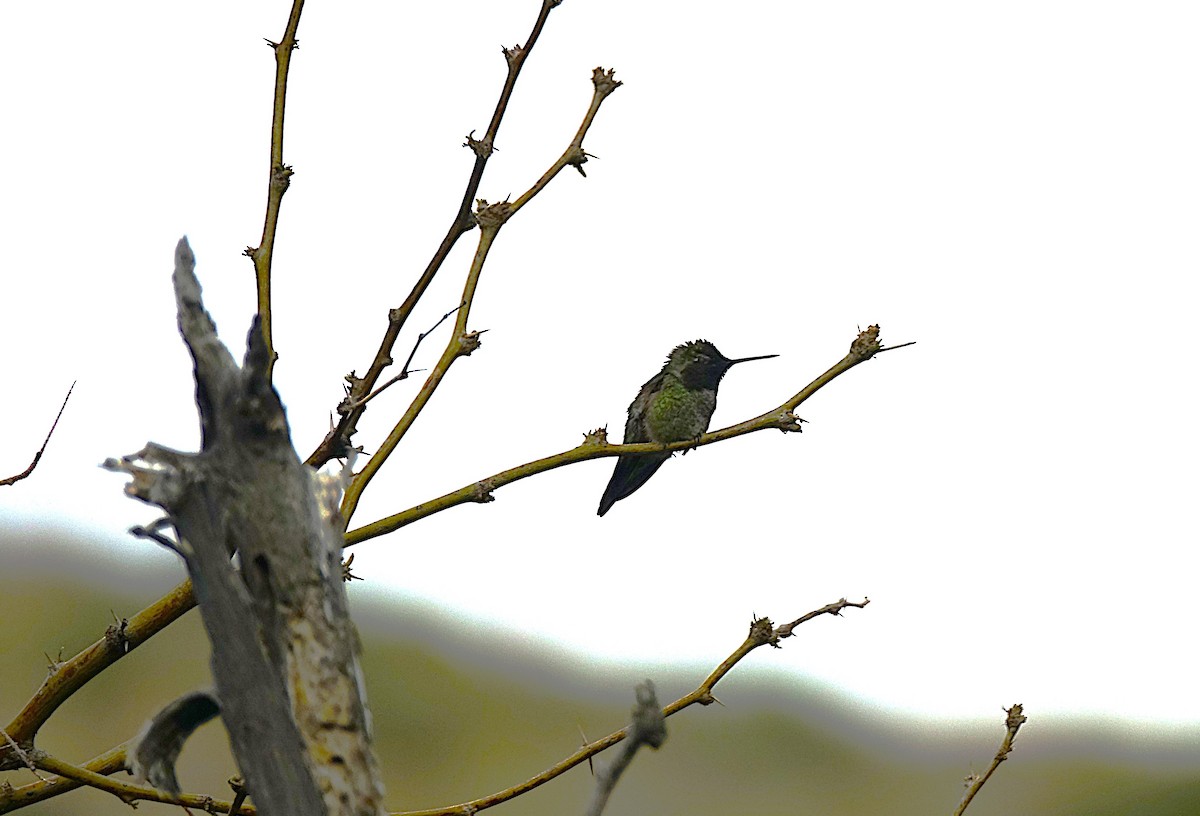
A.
pixel 1012 185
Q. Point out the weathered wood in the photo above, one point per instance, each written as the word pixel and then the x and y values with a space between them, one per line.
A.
pixel 284 648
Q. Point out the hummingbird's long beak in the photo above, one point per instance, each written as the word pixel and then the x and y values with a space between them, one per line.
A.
pixel 748 359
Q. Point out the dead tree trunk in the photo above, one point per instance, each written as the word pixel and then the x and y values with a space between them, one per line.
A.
pixel 284 649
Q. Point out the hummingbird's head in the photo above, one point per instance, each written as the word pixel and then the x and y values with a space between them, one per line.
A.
pixel 699 365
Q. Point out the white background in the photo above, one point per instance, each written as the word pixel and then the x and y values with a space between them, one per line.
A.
pixel 1012 185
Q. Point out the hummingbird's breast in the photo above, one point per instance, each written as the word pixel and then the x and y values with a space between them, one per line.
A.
pixel 677 413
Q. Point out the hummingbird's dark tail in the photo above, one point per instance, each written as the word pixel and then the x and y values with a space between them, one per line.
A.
pixel 630 473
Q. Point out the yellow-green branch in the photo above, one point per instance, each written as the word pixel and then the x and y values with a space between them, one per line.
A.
pixel 761 633
pixel 68 677
pixel 491 218
pixel 128 792
pixel 279 179
pixel 596 446
pixel 352 408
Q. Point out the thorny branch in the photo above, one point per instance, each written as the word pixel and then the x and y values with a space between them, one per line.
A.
pixel 37 457
pixel 279 179
pixel 67 678
pixel 127 792
pixel 404 371
pixel 95 772
pixel 595 445
pixel 491 218
pixel 762 633
pixel 1013 721
pixel 337 441
pixel 111 761
pixel 76 672
pixel 72 675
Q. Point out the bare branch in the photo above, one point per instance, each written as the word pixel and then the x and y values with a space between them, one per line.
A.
pixel 1012 722
pixel 279 179
pixel 110 762
pixel 762 633
pixel 595 446
pixel 37 457
pixel 67 678
pixel 21 753
pixel 127 792
pixel 603 84
pixel 835 609
pixel 338 439
pixel 491 218
pixel 404 372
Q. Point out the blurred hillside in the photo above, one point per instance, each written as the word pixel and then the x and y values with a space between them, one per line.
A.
pixel 462 709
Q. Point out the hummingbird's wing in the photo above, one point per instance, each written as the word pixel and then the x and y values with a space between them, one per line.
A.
pixel 635 424
pixel 632 472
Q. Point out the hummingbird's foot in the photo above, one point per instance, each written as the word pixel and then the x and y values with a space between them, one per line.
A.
pixel 695 443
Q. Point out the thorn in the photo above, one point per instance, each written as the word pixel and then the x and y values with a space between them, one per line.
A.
pixel 583 736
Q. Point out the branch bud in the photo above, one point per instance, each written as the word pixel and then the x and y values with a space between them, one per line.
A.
pixel 867 343
pixel 576 158
pixel 596 437
pixel 492 216
pixel 482 492
pixel 468 342
pixel 787 422
pixel 483 148
pixel 513 55
pixel 604 82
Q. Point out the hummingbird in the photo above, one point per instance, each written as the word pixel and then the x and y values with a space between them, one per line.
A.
pixel 674 405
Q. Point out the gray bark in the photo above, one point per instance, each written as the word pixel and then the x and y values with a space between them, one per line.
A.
pixel 284 649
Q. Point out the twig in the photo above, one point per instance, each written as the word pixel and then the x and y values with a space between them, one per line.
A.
pixel 21 753
pixel 128 792
pixel 1012 722
pixel 37 457
pixel 835 608
pixel 69 777
pixel 491 218
pixel 762 633
pixel 111 761
pixel 596 446
pixel 280 179
pixel 574 156
pixel 153 533
pixel 404 372
pixel 72 675
pixel 240 792
pixel 647 728
pixel 80 669
pixel 338 439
